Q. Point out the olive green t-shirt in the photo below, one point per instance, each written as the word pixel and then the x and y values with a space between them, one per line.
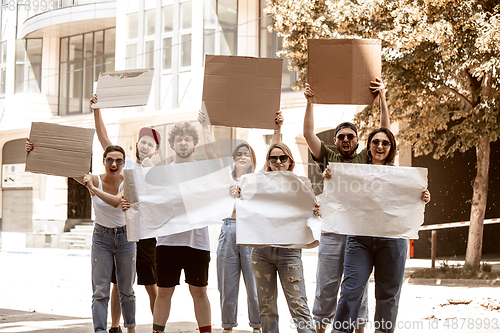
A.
pixel 337 158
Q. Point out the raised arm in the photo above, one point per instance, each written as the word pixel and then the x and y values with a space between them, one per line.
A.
pixel 278 122
pixel 100 129
pixel 208 141
pixel 92 182
pixel 313 142
pixel 379 87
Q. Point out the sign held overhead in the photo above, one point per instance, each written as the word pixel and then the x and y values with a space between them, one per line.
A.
pixel 60 150
pixel 340 70
pixel 123 88
pixel 242 91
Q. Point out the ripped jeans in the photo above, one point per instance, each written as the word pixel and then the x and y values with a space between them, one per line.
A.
pixel 266 263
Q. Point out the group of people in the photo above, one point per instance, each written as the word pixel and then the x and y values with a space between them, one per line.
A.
pixel 158 263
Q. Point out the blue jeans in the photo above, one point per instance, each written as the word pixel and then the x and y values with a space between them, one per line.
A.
pixel 108 245
pixel 232 260
pixel 328 277
pixel 362 253
pixel 269 261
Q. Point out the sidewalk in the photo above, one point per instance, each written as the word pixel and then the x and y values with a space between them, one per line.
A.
pixel 49 290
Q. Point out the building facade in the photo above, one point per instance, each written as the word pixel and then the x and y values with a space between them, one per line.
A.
pixel 51 54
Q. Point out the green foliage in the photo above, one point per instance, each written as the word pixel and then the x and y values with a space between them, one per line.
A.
pixel 441 62
pixel 457 271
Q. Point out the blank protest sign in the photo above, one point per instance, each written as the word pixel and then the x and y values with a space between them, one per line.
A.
pixel 242 91
pixel 124 88
pixel 60 150
pixel 340 70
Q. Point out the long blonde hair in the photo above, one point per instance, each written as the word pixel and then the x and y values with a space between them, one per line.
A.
pixel 287 152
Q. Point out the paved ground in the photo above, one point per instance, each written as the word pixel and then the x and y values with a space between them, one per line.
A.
pixel 49 290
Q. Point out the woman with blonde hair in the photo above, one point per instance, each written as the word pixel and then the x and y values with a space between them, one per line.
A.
pixel 270 262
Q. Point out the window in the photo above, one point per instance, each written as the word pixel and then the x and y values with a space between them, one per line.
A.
pixel 3 67
pixel 220 27
pixel 149 43
pixel 185 32
pixel 82 58
pixel 28 65
pixel 167 13
pixel 270 44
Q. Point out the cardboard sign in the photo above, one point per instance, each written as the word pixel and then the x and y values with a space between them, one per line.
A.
pixel 60 150
pixel 123 88
pixel 242 91
pixel 340 70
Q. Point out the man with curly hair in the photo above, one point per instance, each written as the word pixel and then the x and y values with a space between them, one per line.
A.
pixel 189 250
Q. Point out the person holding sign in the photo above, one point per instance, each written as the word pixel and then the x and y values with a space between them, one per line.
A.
pixel 270 261
pixel 110 247
pixel 332 245
pixel 189 250
pixel 232 259
pixel 362 253
pixel 147 146
pixel 109 240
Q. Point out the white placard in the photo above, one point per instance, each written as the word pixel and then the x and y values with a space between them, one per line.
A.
pixel 276 209
pixel 169 199
pixel 374 200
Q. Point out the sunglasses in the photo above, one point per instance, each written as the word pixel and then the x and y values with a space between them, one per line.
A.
pixel 342 136
pixel 282 158
pixel 384 143
pixel 110 160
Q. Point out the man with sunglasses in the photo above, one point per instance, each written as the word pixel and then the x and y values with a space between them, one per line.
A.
pixel 147 146
pixel 332 246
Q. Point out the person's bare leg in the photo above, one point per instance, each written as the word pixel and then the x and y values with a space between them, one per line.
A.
pixel 131 330
pixel 152 292
pixel 201 305
pixel 320 328
pixel 115 309
pixel 359 330
pixel 162 306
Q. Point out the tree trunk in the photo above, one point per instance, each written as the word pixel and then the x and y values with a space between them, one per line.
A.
pixel 478 207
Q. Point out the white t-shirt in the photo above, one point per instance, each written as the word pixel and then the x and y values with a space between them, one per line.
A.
pixel 129 164
pixel 196 239
pixel 106 215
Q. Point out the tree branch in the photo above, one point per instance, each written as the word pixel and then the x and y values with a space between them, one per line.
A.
pixel 487 82
pixel 459 95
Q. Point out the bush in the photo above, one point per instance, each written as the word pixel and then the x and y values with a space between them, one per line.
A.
pixel 456 271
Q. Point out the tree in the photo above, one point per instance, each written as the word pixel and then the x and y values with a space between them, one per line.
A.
pixel 441 63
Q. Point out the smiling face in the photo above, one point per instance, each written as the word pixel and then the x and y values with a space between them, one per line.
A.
pixel 277 156
pixel 183 146
pixel 114 168
pixel 243 161
pixel 380 146
pixel 145 147
pixel 346 141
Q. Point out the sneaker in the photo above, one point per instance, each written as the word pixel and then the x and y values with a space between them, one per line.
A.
pixel 115 330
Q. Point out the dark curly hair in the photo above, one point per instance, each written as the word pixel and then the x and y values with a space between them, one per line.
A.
pixel 183 128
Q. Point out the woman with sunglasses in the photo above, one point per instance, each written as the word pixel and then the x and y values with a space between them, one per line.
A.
pixel 363 253
pixel 234 260
pixel 109 242
pixel 270 261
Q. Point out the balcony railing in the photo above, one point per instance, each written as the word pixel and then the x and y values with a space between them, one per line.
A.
pixel 34 7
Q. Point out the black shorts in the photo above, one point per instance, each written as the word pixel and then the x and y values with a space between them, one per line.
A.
pixel 145 264
pixel 171 260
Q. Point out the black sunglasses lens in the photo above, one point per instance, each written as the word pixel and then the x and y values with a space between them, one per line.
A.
pixel 110 160
pixel 283 158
